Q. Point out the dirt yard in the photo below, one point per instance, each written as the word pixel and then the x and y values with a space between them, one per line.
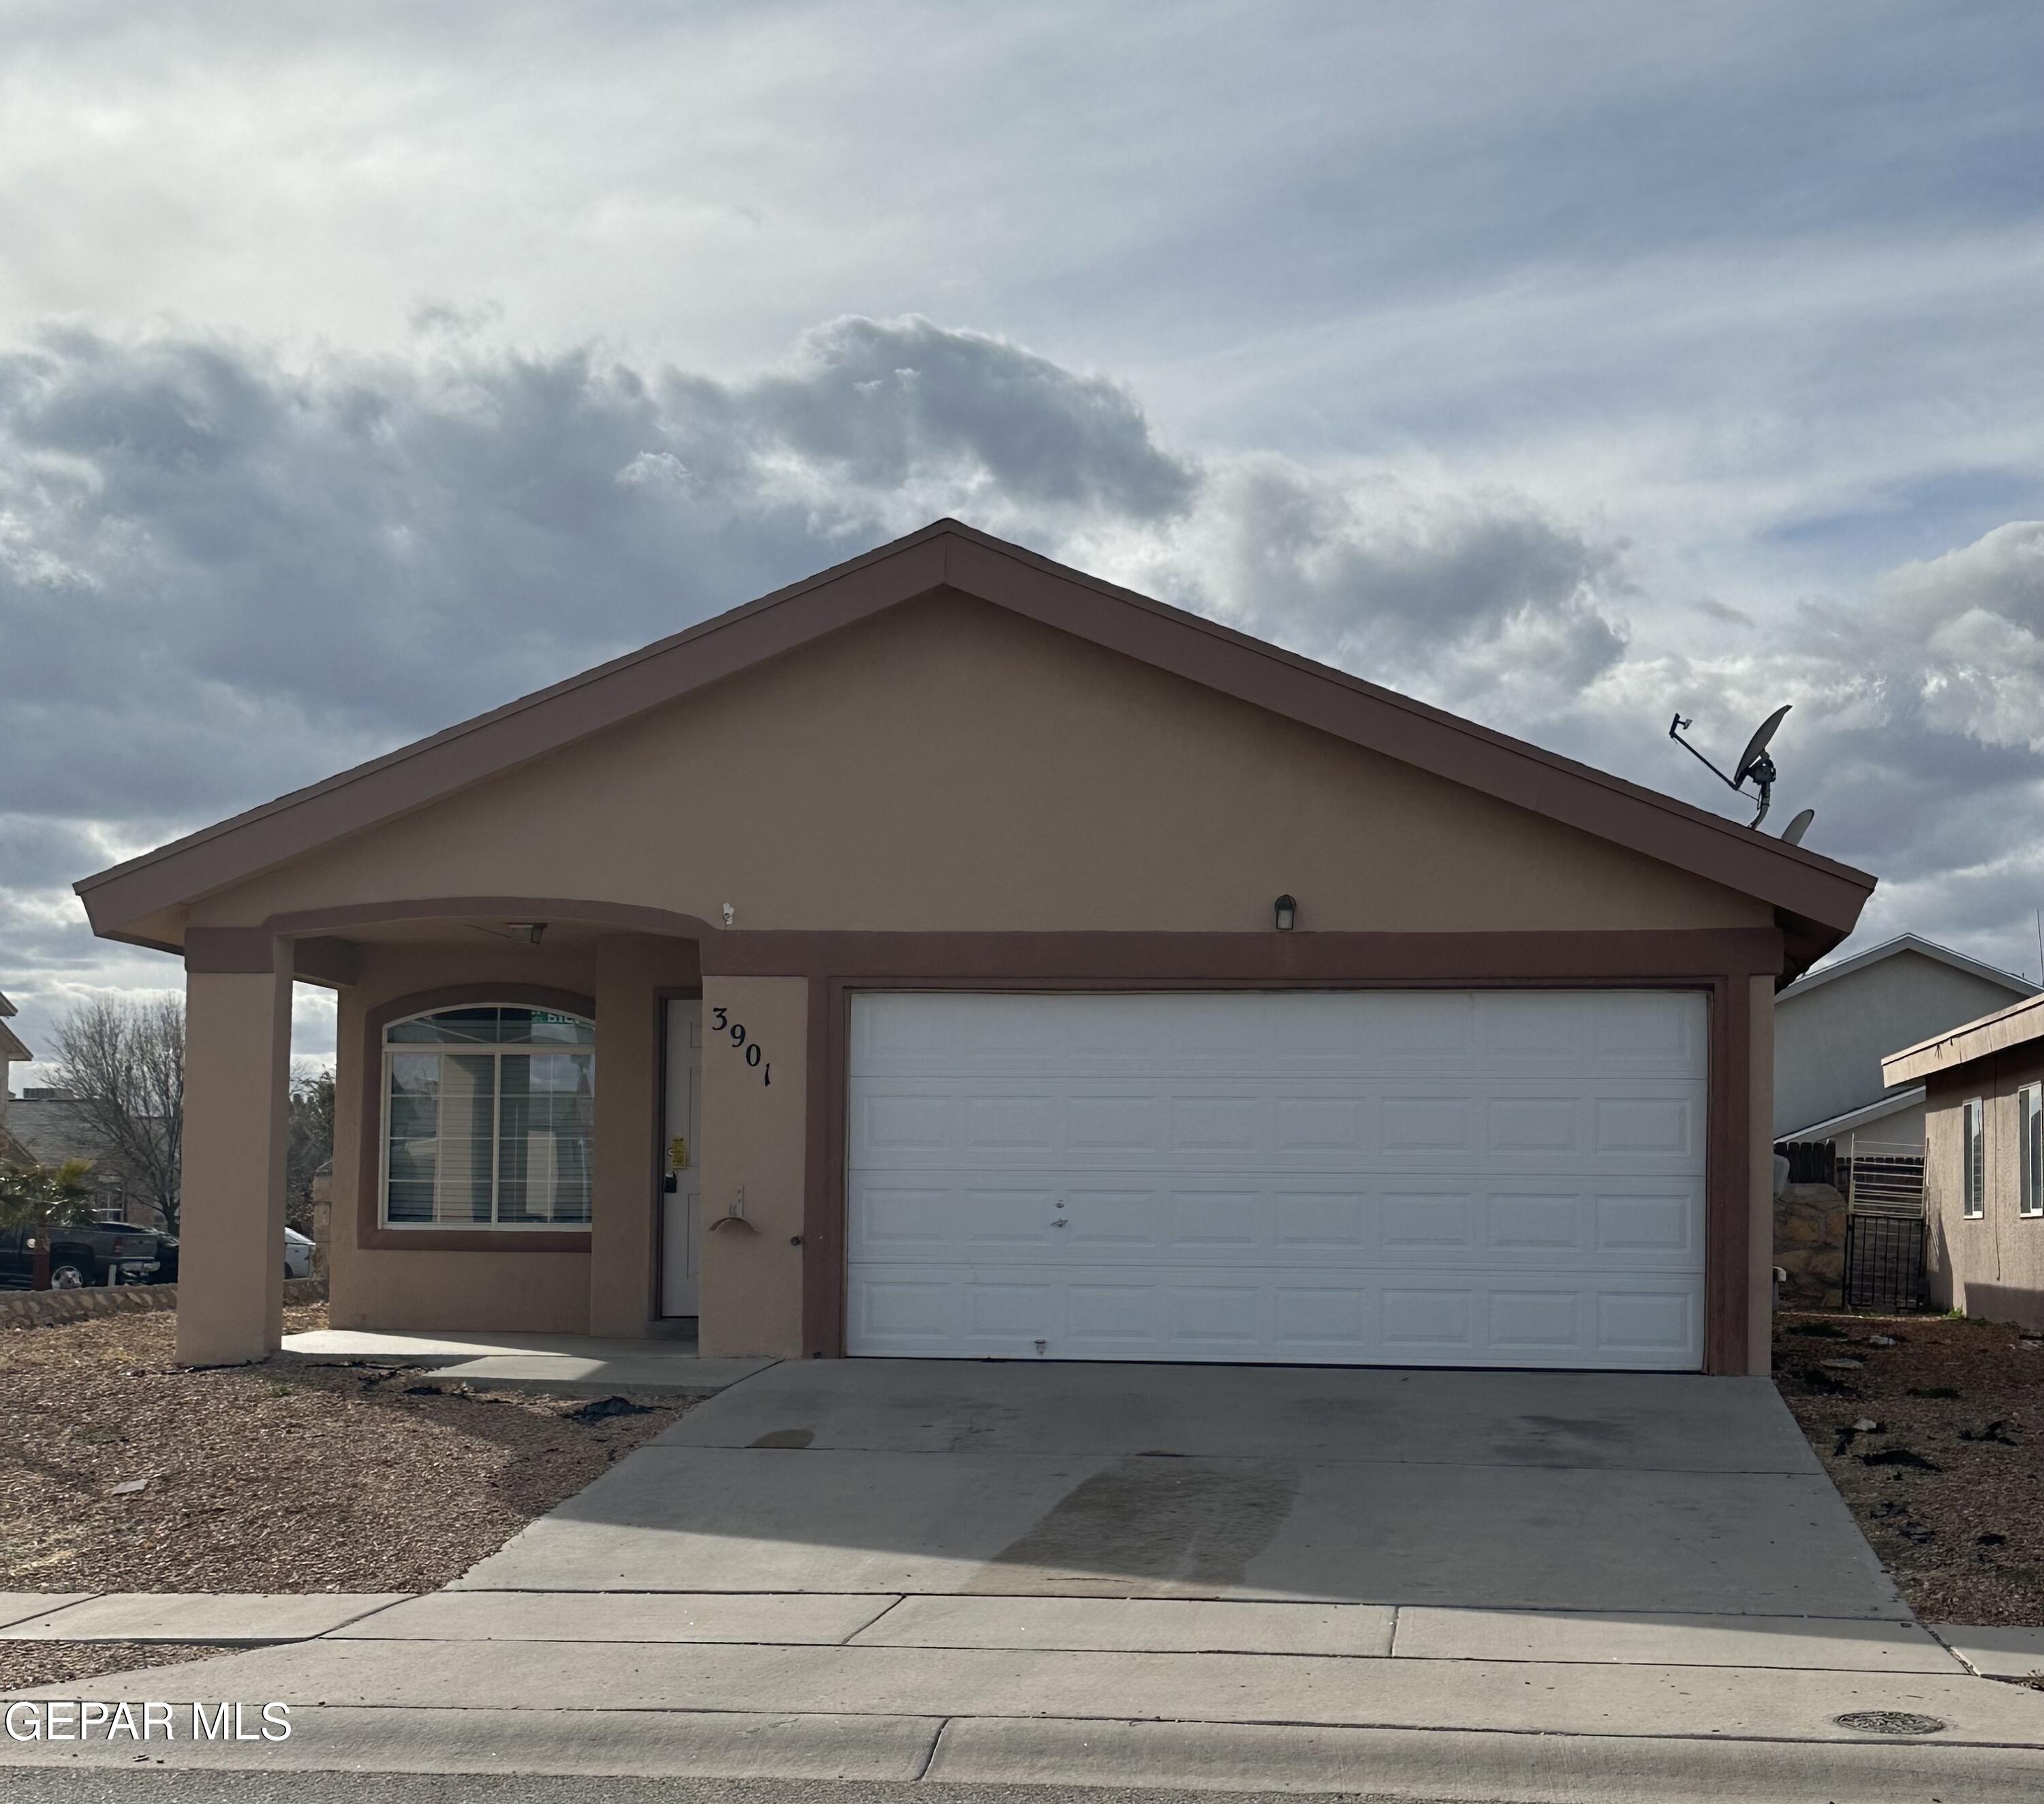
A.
pixel 271 1478
pixel 1947 1481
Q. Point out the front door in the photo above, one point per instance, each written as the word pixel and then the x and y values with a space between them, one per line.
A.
pixel 681 1217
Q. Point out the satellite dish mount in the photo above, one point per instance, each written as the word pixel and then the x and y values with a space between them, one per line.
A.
pixel 1754 765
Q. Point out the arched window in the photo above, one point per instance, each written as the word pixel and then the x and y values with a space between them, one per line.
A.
pixel 488 1113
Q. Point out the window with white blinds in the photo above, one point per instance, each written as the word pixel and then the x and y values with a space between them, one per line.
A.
pixel 1973 1119
pixel 2032 1095
pixel 489 1117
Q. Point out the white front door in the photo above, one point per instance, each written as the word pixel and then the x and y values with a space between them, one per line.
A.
pixel 681 1217
pixel 1393 1177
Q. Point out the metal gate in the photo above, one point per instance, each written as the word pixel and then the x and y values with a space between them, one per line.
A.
pixel 1884 1261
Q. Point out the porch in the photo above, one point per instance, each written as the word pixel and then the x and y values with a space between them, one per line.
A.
pixel 518 1128
pixel 570 1365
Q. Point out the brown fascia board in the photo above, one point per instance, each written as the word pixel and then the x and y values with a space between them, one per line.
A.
pixel 947 555
pixel 2014 1026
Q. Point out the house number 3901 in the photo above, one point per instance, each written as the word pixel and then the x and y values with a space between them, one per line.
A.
pixel 735 1032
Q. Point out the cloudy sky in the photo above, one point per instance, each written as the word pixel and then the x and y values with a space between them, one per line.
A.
pixel 363 366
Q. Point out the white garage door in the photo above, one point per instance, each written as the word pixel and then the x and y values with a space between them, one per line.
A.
pixel 1404 1177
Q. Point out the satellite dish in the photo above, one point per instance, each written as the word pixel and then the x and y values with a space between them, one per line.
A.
pixel 1754 765
pixel 1792 833
pixel 1756 747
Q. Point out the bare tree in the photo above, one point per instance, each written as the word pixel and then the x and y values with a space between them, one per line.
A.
pixel 124 1063
pixel 311 1143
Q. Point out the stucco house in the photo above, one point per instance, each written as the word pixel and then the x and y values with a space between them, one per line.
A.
pixel 1984 1162
pixel 953 955
pixel 1834 1027
pixel 12 1052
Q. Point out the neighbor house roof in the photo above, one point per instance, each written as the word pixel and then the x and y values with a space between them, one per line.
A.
pixel 1858 1118
pixel 12 1051
pixel 1908 943
pixel 2014 1026
pixel 1817 900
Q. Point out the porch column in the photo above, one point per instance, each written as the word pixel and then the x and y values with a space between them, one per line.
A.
pixel 237 1078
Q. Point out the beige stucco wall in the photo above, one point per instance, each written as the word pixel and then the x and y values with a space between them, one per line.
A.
pixel 950 766
pixel 1993 1265
pixel 753 1139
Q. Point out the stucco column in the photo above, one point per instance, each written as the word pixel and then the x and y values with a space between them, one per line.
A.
pixel 754 1122
pixel 237 1078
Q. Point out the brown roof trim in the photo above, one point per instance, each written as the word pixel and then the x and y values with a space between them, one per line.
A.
pixel 2014 1026
pixel 949 555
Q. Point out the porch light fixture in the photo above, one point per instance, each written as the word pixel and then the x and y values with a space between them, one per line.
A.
pixel 1285 912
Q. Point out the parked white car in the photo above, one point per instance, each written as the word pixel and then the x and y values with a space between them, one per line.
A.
pixel 297 1254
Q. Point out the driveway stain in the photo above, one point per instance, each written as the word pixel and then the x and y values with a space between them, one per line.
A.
pixel 1563 1439
pixel 1147 1526
pixel 786 1437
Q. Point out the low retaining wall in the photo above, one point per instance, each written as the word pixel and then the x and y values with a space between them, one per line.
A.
pixel 1810 1244
pixel 43 1309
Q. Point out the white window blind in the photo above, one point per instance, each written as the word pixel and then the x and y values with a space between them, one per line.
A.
pixel 2033 1150
pixel 1975 1159
pixel 489 1118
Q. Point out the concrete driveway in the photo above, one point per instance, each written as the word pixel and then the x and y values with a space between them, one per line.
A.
pixel 1578 1492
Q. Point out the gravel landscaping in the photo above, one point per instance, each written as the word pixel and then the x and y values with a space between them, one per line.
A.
pixel 1932 1427
pixel 119 1472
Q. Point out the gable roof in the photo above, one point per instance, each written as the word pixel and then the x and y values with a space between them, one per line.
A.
pixel 2016 986
pixel 1816 899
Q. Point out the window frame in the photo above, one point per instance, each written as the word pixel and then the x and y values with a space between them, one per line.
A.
pixel 495 1051
pixel 1972 1159
pixel 2030 1195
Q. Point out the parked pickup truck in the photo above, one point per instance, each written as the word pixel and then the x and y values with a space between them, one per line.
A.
pixel 79 1256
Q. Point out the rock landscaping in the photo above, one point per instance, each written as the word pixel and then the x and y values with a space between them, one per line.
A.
pixel 1932 1427
pixel 119 1471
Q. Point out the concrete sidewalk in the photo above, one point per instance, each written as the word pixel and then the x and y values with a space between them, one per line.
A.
pixel 1190 1693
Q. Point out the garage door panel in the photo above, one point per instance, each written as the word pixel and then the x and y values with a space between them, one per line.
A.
pixel 1507 1126
pixel 1232 1221
pixel 1649 1224
pixel 1476 1319
pixel 1428 1177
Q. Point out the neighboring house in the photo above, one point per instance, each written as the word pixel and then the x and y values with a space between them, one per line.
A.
pixel 1984 1162
pixel 52 1126
pixel 12 1052
pixel 1833 1028
pixel 987 961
